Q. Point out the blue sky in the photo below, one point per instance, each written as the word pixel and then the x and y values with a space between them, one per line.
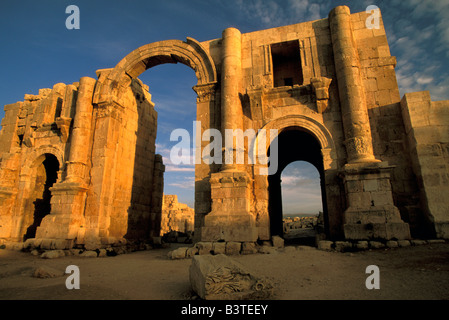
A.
pixel 38 52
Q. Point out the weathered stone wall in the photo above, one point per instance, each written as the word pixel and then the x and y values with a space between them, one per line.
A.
pixel 427 128
pixel 383 103
pixel 31 129
pixel 90 201
pixel 123 172
pixel 176 216
pixel 319 100
pixel 135 165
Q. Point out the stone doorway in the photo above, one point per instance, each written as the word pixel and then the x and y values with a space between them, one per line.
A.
pixel 46 175
pixel 294 144
pixel 170 88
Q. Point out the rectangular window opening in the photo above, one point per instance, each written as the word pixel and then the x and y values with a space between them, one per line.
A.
pixel 287 70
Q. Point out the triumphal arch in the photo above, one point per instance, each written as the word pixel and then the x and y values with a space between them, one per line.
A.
pixel 78 164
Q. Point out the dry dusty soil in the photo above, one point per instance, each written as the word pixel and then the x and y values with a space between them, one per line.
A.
pixel 299 273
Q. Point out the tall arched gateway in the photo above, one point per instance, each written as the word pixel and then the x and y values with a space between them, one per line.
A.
pixel 300 137
pixel 119 182
pixel 329 89
pixel 113 92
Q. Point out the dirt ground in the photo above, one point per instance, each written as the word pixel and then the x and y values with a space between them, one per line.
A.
pixel 416 273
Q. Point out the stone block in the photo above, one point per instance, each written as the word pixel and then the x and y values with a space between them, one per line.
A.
pixel 29 243
pixel 417 242
pixel 392 244
pixel 233 248
pixel 267 249
pixel 400 231
pixel 325 245
pixel 362 245
pixel 53 254
pixel 204 247
pixel 219 277
pixel 404 243
pixel 46 244
pixel 376 245
pixel 219 247
pixel 180 253
pixel 343 246
pixel 249 248
pixel 435 241
pixel 278 242
pixel 192 251
pixel 370 185
pixel 61 244
pixel 89 254
pixel 229 233
pixel 102 253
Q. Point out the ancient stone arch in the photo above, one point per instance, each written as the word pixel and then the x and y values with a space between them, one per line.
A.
pixel 318 130
pixel 189 52
pixel 38 155
pixel 331 79
pixel 33 187
pixel 120 95
pixel 326 164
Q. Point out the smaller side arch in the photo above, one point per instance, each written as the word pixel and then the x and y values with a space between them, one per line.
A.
pixel 38 155
pixel 318 130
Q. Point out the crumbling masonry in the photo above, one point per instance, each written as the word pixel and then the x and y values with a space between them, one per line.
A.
pixel 78 163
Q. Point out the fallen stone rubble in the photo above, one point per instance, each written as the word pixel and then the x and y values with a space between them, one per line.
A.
pixel 216 248
pixel 234 248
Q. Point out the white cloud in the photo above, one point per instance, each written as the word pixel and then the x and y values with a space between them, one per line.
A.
pixel 314 11
pixel 272 14
pixel 421 39
pixel 424 80
pixel 170 168
pixel 301 190
pixel 186 183
pixel 294 181
pixel 439 90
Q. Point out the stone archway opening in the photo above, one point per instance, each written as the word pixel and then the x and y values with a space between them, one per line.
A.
pixel 46 174
pixel 295 144
pixel 302 205
pixel 170 86
pixel 133 206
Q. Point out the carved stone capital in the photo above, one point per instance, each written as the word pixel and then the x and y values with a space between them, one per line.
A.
pixel 359 149
pixel 205 92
